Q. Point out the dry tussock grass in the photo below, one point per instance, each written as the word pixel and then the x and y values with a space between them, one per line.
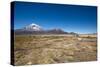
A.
pixel 52 49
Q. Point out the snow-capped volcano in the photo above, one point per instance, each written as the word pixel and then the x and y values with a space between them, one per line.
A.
pixel 36 29
pixel 33 27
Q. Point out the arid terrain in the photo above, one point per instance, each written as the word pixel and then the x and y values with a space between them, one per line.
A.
pixel 48 49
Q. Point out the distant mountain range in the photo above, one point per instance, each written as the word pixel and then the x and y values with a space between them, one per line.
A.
pixel 36 29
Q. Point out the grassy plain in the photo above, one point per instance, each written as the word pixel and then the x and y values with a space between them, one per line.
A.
pixel 44 49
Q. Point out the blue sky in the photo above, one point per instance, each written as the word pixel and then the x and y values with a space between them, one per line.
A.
pixel 79 19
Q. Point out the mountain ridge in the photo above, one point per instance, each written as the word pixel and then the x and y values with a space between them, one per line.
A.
pixel 36 29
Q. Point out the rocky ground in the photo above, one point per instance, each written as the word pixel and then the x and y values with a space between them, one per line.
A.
pixel 53 49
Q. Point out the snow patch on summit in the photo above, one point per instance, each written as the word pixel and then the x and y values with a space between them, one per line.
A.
pixel 33 27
